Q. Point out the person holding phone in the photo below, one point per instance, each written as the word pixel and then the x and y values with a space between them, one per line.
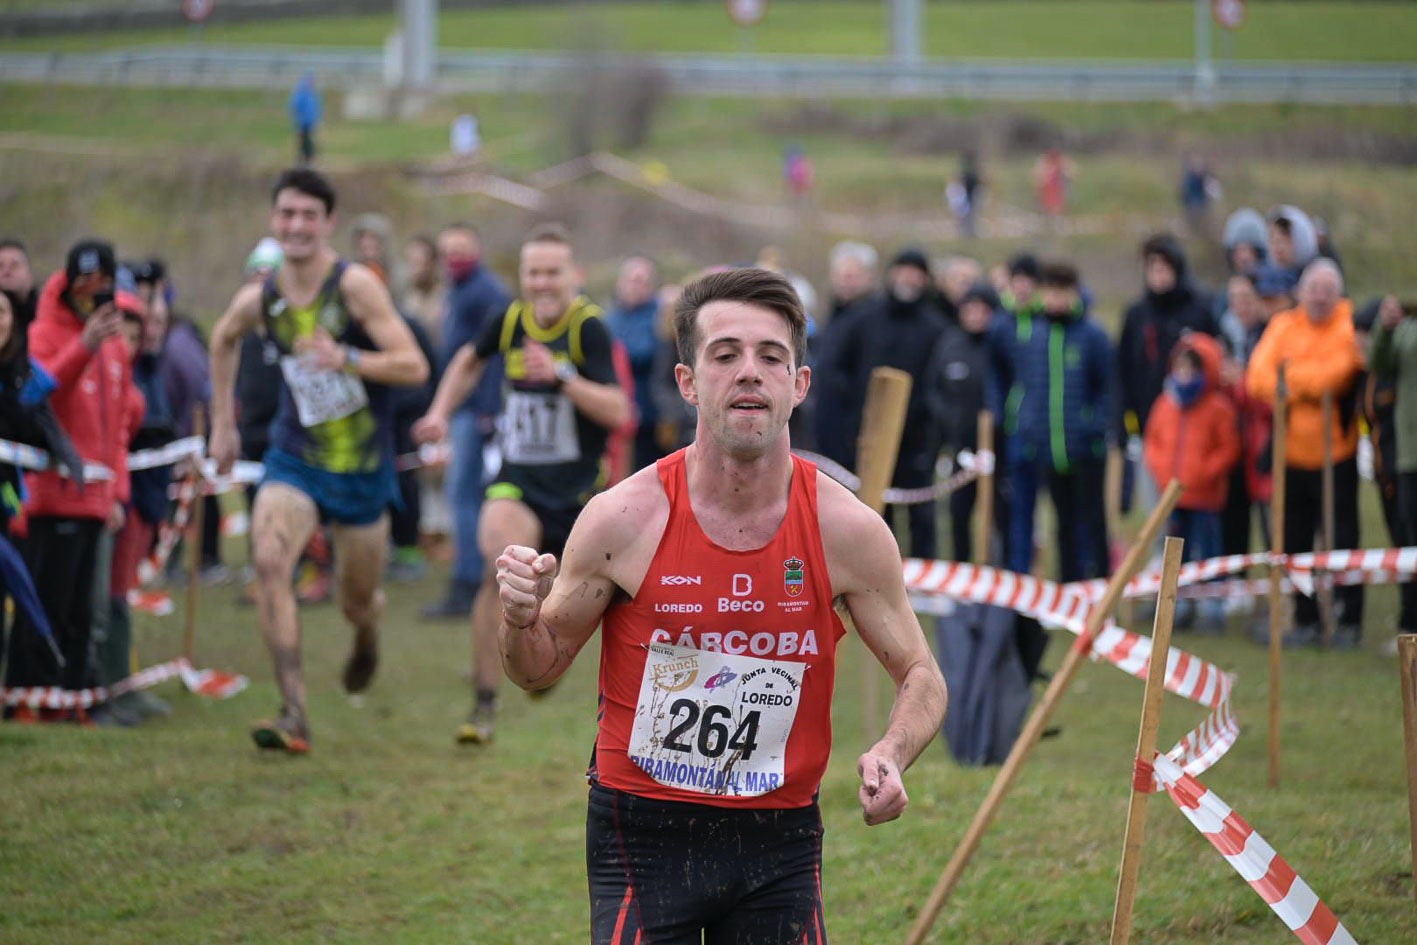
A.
pixel 76 339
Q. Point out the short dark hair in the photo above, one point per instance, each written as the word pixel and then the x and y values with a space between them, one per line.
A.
pixel 309 182
pixel 751 287
pixel 462 226
pixel 1057 274
pixel 550 233
pixel 10 242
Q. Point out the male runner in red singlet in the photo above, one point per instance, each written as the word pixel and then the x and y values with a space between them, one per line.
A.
pixel 715 573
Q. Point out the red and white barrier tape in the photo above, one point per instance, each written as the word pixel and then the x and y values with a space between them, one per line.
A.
pixel 33 458
pixel 37 460
pixel 1357 566
pixel 207 682
pixel 169 533
pixel 1065 605
pixel 1255 860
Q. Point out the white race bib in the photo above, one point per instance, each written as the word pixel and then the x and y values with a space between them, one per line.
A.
pixel 715 723
pixel 539 429
pixel 322 396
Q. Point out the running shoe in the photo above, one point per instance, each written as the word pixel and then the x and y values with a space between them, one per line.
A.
pixel 479 727
pixel 286 734
pixel 359 668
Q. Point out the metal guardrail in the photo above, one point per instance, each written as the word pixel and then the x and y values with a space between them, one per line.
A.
pixel 810 76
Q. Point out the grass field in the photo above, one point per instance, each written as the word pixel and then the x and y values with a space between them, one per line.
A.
pixel 1359 30
pixel 388 832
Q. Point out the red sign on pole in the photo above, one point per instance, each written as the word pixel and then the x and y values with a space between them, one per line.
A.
pixel 1229 14
pixel 747 12
pixel 197 10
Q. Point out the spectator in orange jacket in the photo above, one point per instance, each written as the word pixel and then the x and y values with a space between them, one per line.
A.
pixel 1192 435
pixel 76 337
pixel 1316 345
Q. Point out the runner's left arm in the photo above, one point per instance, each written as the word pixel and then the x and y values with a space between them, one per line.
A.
pixel 866 573
pixel 398 362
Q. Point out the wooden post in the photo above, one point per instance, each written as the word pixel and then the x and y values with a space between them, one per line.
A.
pixel 1323 584
pixel 194 538
pixel 984 492
pixel 877 447
pixel 1407 657
pixel 1276 571
pixel 1033 729
pixel 1146 743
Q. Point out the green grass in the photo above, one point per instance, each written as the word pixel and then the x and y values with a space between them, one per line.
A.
pixel 181 831
pixel 1371 31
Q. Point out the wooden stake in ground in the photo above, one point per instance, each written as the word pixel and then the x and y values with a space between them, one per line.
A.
pixel 194 539
pixel 1276 570
pixel 1407 657
pixel 1033 729
pixel 1146 744
pixel 1323 584
pixel 984 491
pixel 882 420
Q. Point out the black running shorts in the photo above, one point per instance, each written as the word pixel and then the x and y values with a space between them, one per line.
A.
pixel 670 873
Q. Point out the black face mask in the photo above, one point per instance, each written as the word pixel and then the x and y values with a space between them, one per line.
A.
pixel 1059 315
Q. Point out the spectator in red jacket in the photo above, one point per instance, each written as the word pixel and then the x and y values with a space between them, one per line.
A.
pixel 76 337
pixel 1192 435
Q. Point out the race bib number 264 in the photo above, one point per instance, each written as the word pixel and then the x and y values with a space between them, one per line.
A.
pixel 715 723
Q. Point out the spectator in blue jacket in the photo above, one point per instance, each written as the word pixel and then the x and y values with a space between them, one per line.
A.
pixel 305 110
pixel 632 320
pixel 1053 390
pixel 475 294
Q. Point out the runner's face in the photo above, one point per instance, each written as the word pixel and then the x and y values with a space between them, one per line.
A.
pixel 743 380
pixel 300 224
pixel 550 280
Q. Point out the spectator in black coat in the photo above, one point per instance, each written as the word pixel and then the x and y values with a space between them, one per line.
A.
pixel 957 389
pixel 1170 305
pixel 896 330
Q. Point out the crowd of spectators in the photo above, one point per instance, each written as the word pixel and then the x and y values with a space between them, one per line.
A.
pixel 96 361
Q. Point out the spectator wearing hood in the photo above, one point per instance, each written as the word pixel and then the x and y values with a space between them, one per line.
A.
pixel 1394 362
pixel 1316 344
pixel 1246 241
pixel 1192 436
pixel 896 330
pixel 1053 395
pixel 76 339
pixel 1293 244
pixel 1170 306
pixel 957 384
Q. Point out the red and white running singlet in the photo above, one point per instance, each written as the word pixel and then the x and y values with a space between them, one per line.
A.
pixel 716 679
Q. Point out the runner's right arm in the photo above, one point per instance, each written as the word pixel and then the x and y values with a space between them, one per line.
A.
pixel 460 377
pixel 241 316
pixel 549 615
